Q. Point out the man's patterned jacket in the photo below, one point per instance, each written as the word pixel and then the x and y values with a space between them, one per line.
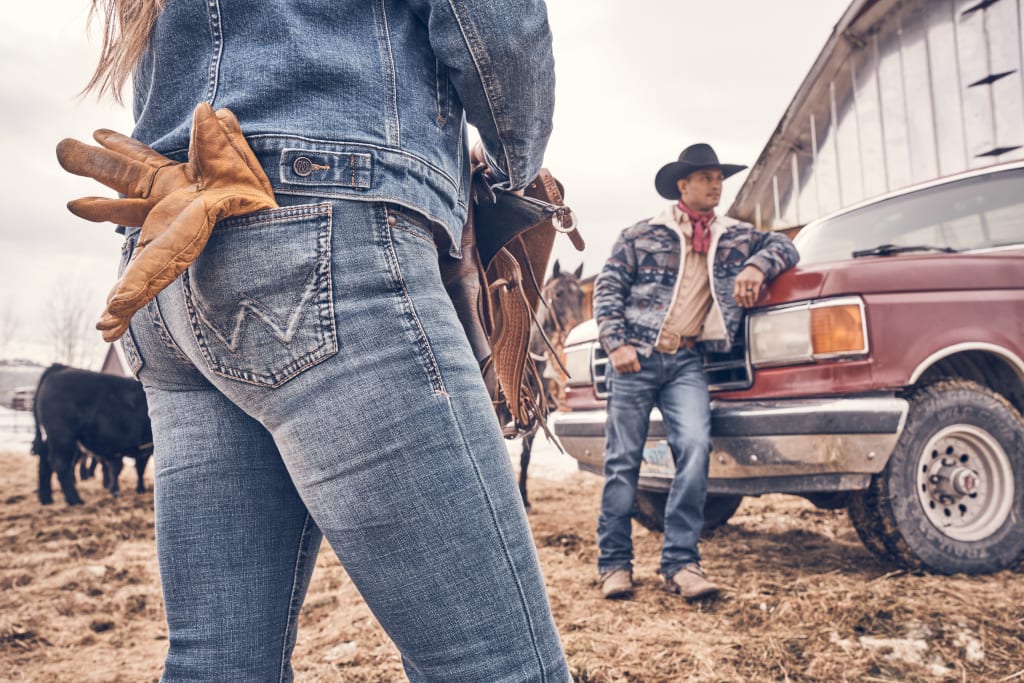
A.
pixel 635 288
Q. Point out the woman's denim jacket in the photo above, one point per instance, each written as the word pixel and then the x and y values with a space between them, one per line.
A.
pixel 634 290
pixel 371 93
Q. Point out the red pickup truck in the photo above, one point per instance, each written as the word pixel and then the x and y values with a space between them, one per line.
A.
pixel 883 374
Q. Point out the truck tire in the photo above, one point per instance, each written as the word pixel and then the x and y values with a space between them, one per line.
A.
pixel 951 497
pixel 862 509
pixel 649 509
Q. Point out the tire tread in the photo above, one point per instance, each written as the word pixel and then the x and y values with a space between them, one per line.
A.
pixel 877 501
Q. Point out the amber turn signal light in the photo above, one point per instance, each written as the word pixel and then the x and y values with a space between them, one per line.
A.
pixel 838 330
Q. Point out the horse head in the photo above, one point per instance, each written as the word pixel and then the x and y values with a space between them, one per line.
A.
pixel 563 299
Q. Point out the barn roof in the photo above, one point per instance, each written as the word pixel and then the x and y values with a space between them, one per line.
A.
pixel 858 18
pixel 114 363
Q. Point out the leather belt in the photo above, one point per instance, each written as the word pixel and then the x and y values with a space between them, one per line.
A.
pixel 670 343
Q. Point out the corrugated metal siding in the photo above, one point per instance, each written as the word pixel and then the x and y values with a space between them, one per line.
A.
pixel 904 92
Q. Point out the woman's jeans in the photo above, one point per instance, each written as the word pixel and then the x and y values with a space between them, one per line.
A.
pixel 308 374
pixel 677 384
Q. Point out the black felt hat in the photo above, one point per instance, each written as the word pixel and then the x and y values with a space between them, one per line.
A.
pixel 693 158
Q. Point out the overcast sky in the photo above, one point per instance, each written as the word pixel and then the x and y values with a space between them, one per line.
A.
pixel 636 83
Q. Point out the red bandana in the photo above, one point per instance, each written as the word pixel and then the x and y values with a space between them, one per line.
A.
pixel 701 223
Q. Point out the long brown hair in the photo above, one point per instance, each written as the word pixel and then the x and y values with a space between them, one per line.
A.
pixel 127 25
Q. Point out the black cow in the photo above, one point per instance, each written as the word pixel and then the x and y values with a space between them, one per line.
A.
pixel 111 468
pixel 86 464
pixel 102 414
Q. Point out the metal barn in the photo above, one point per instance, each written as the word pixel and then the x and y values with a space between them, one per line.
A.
pixel 904 91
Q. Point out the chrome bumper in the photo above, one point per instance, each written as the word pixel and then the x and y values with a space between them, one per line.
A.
pixel 798 445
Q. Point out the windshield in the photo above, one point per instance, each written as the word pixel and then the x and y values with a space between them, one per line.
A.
pixel 974 213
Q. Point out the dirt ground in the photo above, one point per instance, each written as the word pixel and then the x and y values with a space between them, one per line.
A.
pixel 804 601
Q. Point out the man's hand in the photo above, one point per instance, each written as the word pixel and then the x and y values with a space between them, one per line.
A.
pixel 625 360
pixel 748 286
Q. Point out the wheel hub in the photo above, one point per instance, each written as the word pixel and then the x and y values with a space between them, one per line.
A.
pixel 950 483
pixel 965 482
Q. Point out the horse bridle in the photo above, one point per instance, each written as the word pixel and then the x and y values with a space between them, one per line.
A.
pixel 560 332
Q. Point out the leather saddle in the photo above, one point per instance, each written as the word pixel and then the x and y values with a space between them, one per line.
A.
pixel 496 289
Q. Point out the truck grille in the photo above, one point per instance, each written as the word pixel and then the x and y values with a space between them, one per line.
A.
pixel 726 371
pixel 729 371
pixel 600 371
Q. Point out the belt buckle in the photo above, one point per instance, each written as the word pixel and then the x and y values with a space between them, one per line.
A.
pixel 671 344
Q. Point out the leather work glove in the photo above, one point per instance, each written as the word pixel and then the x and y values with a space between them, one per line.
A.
pixel 177 204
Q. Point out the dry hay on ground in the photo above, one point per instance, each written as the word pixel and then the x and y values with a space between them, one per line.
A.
pixel 80 600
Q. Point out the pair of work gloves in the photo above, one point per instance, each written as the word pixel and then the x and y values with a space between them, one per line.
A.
pixel 177 204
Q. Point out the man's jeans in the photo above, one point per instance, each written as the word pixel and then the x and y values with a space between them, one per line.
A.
pixel 308 374
pixel 676 383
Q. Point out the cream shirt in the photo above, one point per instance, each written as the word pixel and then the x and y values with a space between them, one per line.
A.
pixel 692 299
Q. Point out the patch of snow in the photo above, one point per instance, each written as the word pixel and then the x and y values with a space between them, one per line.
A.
pixel 907 650
pixel 845 644
pixel 910 650
pixel 974 651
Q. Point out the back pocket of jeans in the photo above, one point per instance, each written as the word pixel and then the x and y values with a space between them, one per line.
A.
pixel 259 296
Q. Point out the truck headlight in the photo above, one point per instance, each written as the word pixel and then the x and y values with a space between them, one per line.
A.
pixel 832 328
pixel 577 363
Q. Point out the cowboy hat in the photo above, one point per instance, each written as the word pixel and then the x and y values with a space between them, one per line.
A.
pixel 693 158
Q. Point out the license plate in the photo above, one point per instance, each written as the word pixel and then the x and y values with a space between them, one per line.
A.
pixel 658 461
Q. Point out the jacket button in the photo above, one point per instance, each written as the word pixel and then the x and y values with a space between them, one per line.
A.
pixel 302 166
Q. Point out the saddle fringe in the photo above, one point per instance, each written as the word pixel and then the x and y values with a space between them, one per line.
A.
pixel 507 298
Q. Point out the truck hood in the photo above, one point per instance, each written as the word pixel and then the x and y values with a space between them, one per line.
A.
pixel 916 272
pixel 586 331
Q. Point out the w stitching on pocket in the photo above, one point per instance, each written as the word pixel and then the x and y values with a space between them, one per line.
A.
pixel 423 344
pixel 222 333
pixel 232 342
